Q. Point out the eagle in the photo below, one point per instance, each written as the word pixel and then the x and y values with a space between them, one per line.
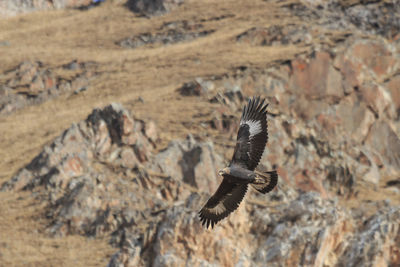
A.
pixel 251 140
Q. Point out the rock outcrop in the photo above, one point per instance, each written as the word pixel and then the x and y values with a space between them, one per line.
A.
pixel 33 83
pixel 169 33
pixel 76 172
pixel 153 7
pixel 103 175
pixel 191 162
pixel 307 230
pixel 14 7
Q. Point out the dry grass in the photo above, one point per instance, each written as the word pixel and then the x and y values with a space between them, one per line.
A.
pixel 23 244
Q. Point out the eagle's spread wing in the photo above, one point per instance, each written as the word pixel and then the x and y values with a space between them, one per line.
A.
pixel 252 136
pixel 222 203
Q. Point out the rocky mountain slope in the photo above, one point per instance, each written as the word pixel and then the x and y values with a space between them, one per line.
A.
pixel 116 117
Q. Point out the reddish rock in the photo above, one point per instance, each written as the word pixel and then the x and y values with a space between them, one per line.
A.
pixel 150 130
pixel 36 85
pixel 49 82
pixel 376 97
pixel 329 125
pixel 358 66
pixel 316 79
pixel 73 166
pixel 350 71
pixel 394 87
pixel 127 124
pixel 306 109
pixel 194 163
pixel 385 142
pixel 355 117
pixel 128 158
pixel 142 151
pixel 308 181
pixel 383 61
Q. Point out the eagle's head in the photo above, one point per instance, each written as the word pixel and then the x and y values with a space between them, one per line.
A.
pixel 224 171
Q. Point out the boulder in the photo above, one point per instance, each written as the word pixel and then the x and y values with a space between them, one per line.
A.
pixel 394 88
pixel 386 143
pixel 359 68
pixel 194 163
pixel 275 35
pixel 317 78
pixel 153 7
pixel 355 119
pixel 377 97
pixel 169 33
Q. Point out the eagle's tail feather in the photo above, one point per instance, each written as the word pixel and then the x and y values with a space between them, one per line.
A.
pixel 265 181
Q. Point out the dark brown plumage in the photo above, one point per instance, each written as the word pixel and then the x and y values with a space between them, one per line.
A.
pixel 251 140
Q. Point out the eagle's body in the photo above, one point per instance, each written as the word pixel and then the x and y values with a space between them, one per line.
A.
pixel 238 174
pixel 251 140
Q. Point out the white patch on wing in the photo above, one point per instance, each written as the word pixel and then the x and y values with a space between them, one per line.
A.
pixel 219 209
pixel 254 127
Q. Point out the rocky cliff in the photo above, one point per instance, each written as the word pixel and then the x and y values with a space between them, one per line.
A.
pixel 136 174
